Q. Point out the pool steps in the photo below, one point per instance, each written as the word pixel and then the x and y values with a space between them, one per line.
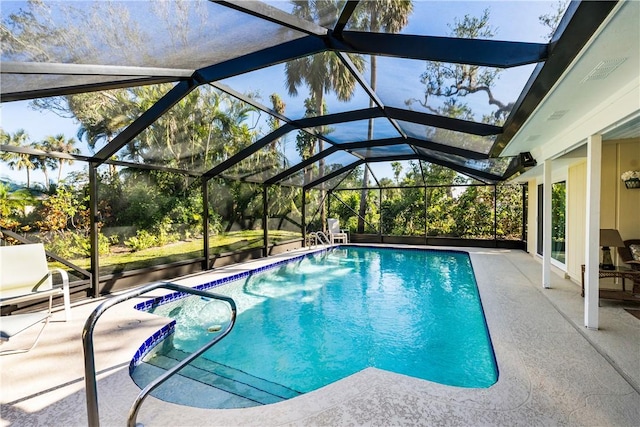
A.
pixel 244 389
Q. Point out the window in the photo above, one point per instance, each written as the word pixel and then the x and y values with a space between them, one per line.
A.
pixel 558 220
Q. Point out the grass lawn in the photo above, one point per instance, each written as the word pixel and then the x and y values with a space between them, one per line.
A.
pixel 122 258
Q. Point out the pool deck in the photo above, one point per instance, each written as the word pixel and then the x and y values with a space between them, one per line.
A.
pixel 553 371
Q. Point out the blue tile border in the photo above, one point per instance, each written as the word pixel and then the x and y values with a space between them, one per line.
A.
pixel 152 303
pixel 417 249
pixel 150 343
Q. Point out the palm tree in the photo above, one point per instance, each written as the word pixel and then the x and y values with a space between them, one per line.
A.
pixel 62 145
pixel 389 16
pixel 44 162
pixel 101 116
pixel 216 123
pixel 323 72
pixel 19 161
pixel 13 202
pixel 279 107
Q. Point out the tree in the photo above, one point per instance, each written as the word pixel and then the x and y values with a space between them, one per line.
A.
pixel 19 161
pixel 39 31
pixel 101 114
pixel 509 211
pixel 323 72
pixel 558 210
pixel 13 204
pixel 62 145
pixel 444 80
pixel 397 170
pixel 389 16
pixel 59 211
pixel 305 141
pixel 99 123
pixel 44 162
pixel 552 19
pixel 472 213
pixel 403 205
pixel 279 107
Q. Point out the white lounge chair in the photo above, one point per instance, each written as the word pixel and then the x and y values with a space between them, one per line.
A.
pixel 336 235
pixel 25 276
pixel 11 326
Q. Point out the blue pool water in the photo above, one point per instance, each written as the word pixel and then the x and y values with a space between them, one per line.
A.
pixel 321 318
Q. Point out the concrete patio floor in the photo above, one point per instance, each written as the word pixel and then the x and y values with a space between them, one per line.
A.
pixel 553 371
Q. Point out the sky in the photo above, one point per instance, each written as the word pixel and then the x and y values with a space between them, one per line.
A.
pixel 512 20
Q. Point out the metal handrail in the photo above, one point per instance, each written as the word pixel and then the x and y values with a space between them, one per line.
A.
pixel 89 357
pixel 312 239
pixel 320 236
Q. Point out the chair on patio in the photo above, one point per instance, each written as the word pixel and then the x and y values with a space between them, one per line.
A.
pixel 627 252
pixel 11 326
pixel 25 277
pixel 335 233
pixel 630 254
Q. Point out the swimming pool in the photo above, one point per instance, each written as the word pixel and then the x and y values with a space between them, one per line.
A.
pixel 320 318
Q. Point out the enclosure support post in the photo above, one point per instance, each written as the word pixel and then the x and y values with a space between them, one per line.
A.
pixel 205 223
pixel 495 212
pixel 524 214
pixel 265 219
pixel 426 228
pixel 304 217
pixel 93 232
pixel 380 210
pixel 592 232
pixel 546 225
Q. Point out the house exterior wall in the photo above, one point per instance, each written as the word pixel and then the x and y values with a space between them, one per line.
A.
pixel 627 157
pixel 619 206
pixel 608 194
pixel 576 219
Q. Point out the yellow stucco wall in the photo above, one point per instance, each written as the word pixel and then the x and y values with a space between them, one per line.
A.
pixel 576 218
pixel 608 194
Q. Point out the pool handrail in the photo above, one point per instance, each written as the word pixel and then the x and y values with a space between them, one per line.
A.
pixel 89 357
pixel 320 236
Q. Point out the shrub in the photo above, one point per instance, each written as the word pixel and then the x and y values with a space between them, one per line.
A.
pixel 215 223
pixel 164 233
pixel 73 245
pixel 142 240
